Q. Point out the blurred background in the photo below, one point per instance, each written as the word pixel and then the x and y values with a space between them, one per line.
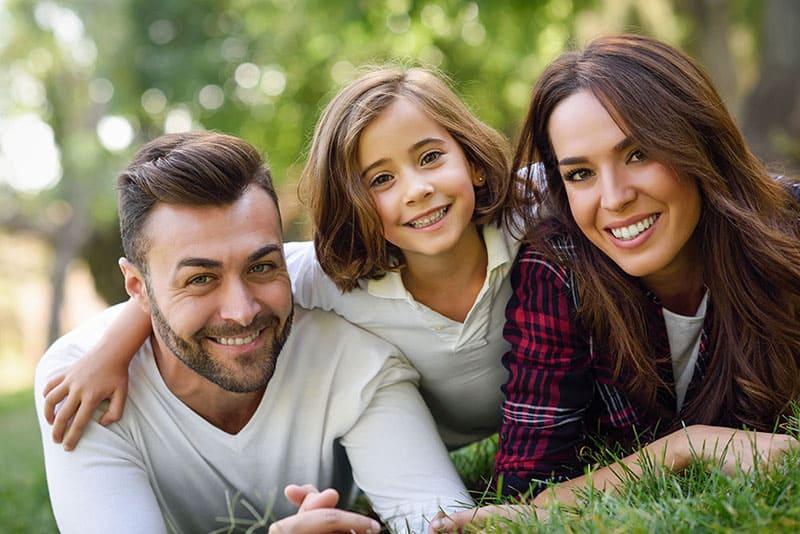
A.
pixel 84 83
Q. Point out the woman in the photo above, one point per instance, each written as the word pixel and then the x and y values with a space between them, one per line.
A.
pixel 657 299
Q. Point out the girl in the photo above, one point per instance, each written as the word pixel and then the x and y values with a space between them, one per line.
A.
pixel 657 298
pixel 409 196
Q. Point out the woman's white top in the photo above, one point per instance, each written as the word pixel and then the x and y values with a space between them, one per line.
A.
pixel 683 333
pixel 459 363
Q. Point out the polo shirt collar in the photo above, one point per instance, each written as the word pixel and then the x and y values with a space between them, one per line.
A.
pixel 497 252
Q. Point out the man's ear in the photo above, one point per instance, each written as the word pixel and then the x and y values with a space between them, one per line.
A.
pixel 135 283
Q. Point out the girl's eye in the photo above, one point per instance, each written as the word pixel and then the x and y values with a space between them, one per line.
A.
pixel 636 155
pixel 577 175
pixel 200 280
pixel 430 157
pixel 380 179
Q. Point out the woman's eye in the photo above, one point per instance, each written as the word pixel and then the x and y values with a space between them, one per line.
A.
pixel 430 157
pixel 637 155
pixel 380 179
pixel 577 175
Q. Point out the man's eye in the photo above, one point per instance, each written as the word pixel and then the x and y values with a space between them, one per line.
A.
pixel 430 157
pixel 199 280
pixel 261 268
pixel 380 179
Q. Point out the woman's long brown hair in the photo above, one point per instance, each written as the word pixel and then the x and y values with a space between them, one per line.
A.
pixel 748 229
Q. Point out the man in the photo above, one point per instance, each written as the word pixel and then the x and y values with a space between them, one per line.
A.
pixel 237 393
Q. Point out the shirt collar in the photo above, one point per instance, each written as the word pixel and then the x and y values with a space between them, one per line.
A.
pixel 497 252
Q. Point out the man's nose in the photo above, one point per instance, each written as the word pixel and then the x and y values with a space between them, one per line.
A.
pixel 239 304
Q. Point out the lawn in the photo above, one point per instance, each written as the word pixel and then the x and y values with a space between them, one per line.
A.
pixel 699 500
pixel 24 505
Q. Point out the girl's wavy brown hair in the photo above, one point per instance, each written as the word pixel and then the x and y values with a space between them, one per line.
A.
pixel 348 235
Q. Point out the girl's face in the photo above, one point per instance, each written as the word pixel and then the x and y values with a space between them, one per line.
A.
pixel 636 210
pixel 419 179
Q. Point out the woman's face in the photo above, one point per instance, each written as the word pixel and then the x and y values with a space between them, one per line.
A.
pixel 634 209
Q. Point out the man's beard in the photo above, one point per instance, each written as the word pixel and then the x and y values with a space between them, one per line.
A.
pixel 255 369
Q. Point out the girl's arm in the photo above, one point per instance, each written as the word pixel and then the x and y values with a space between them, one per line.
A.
pixel 728 448
pixel 101 374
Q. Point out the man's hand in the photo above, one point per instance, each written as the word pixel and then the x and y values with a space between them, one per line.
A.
pixel 316 514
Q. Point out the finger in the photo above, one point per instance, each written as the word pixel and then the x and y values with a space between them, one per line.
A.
pixel 324 499
pixel 52 396
pixel 63 416
pixel 327 520
pixel 116 405
pixel 75 428
pixel 53 382
pixel 296 494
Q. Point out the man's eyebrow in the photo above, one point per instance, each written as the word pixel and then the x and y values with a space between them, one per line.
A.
pixel 263 251
pixel 198 262
pixel 619 147
pixel 206 263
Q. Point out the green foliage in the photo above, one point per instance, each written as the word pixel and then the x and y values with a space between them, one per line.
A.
pixel 24 502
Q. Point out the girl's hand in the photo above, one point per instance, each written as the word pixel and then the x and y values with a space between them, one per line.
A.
pixel 72 398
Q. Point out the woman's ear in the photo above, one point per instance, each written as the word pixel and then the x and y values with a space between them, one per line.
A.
pixel 135 283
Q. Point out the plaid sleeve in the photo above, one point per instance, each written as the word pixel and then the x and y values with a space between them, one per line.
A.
pixel 550 381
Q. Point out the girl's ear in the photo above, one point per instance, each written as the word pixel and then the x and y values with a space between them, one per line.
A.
pixel 135 283
pixel 478 178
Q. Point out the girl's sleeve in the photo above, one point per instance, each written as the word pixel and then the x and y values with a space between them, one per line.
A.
pixel 550 382
pixel 311 287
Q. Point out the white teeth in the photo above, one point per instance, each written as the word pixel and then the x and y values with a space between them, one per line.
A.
pixel 428 220
pixel 237 340
pixel 629 232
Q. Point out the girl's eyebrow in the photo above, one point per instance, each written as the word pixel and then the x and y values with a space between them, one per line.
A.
pixel 412 148
pixel 619 147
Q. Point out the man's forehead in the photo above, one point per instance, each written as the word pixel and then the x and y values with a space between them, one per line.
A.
pixel 241 228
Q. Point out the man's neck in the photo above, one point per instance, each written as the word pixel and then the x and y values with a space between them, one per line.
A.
pixel 226 410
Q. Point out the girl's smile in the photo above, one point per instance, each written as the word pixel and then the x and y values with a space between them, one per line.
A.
pixel 420 181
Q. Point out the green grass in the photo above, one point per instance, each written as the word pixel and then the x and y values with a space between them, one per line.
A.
pixel 700 499
pixel 24 504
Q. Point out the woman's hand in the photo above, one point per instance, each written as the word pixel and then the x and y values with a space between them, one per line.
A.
pixel 730 448
pixel 477 517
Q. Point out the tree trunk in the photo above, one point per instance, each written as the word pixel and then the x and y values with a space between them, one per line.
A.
pixel 772 113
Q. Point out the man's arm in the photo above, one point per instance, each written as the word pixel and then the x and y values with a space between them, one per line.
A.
pixel 397 456
pixel 102 486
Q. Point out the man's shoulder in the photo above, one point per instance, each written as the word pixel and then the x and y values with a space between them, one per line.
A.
pixel 75 343
pixel 332 330
pixel 323 338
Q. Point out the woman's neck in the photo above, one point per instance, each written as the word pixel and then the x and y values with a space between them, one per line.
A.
pixel 680 288
pixel 449 283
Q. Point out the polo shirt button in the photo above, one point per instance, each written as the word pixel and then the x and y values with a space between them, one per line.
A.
pixel 439 327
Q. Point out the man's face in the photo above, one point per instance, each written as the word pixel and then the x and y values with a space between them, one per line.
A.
pixel 218 289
